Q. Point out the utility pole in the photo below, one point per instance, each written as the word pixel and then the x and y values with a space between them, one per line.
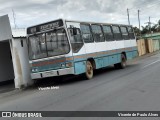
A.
pixel 139 23
pixel 128 16
pixel 150 24
pixel 14 18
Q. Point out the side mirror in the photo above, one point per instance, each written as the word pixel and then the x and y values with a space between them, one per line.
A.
pixel 74 31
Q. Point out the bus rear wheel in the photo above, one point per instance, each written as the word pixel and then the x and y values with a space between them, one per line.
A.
pixel 122 64
pixel 89 70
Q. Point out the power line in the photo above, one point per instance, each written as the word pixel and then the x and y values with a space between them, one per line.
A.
pixel 142 8
pixel 144 4
pixel 151 5
pixel 140 5
pixel 5 9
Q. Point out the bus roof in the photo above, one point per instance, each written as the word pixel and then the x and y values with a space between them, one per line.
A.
pixel 89 22
pixel 76 21
pixel 45 23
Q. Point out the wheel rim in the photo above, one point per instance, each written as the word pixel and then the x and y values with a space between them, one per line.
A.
pixel 89 71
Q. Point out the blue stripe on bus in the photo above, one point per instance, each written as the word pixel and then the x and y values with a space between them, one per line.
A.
pixel 101 60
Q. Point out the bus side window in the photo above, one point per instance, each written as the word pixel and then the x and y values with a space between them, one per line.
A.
pixel 117 33
pixel 131 33
pixel 86 33
pixel 108 32
pixel 125 34
pixel 75 39
pixel 97 33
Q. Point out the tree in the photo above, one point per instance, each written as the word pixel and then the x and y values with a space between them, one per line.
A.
pixel 154 28
pixel 145 29
pixel 137 31
pixel 158 28
pixel 159 22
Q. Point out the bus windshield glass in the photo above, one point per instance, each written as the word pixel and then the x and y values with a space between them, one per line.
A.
pixel 48 44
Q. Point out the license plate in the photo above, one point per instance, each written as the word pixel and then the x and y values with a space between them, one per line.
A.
pixel 49 74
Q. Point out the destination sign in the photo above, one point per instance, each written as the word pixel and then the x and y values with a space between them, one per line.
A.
pixel 45 27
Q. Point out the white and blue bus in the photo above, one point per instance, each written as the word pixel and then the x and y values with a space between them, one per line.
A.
pixel 64 47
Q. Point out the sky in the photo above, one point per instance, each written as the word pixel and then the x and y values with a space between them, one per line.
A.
pixel 25 13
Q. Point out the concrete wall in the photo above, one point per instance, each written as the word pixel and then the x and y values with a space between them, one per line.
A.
pixel 5 28
pixel 6 65
pixel 156 45
pixel 21 62
pixel 147 46
pixel 141 47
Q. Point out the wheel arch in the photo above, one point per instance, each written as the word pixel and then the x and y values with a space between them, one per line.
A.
pixel 124 53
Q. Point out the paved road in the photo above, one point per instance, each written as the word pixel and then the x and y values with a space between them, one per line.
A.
pixel 136 88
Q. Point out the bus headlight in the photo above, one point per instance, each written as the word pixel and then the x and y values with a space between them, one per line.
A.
pixel 62 65
pixel 69 64
pixel 34 69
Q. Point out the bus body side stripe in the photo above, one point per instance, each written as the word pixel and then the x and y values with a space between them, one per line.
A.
pixel 103 60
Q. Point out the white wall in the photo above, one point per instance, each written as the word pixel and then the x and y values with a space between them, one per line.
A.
pixel 5 28
pixel 6 65
pixel 21 63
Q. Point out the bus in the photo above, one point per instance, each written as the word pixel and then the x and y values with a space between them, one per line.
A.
pixel 65 47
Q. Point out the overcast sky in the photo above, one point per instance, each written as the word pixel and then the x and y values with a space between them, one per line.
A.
pixel 31 12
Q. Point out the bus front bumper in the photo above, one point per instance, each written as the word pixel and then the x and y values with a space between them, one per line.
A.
pixel 59 72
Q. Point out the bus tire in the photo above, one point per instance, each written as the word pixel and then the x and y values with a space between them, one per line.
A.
pixel 89 70
pixel 116 66
pixel 123 62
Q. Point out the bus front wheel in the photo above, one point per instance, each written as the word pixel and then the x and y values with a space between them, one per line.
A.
pixel 89 70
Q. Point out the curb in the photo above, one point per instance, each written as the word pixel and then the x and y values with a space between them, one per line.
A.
pixel 149 54
pixel 144 56
pixel 12 92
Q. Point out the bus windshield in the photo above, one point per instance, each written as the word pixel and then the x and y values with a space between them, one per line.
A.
pixel 48 44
